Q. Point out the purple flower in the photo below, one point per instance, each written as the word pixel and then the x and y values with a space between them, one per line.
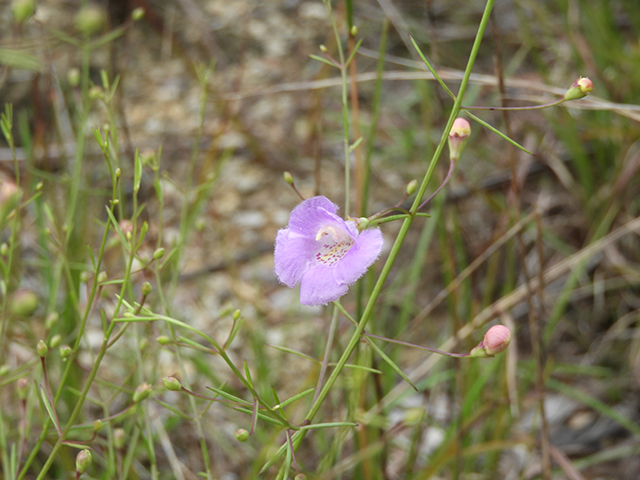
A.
pixel 322 252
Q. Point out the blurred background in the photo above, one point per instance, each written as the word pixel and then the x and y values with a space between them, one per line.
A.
pixel 545 244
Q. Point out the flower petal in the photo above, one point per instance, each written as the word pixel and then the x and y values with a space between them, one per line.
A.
pixel 313 214
pixel 360 257
pixel 318 286
pixel 292 256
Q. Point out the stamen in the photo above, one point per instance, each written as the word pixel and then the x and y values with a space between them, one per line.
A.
pixel 333 245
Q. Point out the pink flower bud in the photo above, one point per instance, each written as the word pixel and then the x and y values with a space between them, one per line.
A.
pixel 579 89
pixel 458 135
pixel 496 340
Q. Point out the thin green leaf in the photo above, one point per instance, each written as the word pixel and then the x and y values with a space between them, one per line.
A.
pixel 19 60
pixel 329 425
pixel 324 60
pixel 431 69
pixel 294 398
pixel 391 363
pixel 228 396
pixel 498 132
pixel 49 408
pixel 353 53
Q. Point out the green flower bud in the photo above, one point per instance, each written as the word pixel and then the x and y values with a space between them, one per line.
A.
pixel 51 320
pixel 4 249
pixel 172 383
pixel 119 437
pixel 83 461
pixel 142 392
pixel 288 178
pixel 22 10
pixel 23 302
pixel 118 172
pixel 146 288
pixel 412 186
pixel 300 476
pixel 96 92
pixel 236 315
pixel 353 31
pixel 242 435
pixel 163 340
pixel 158 254
pixel 90 19
pixel 39 186
pixel 363 223
pixel 414 416
pixel 42 349
pixel 4 369
pixel 102 277
pixel 137 14
pixel 73 77
pixel 97 426
pixel 323 49
pixel 65 351
pixel 55 341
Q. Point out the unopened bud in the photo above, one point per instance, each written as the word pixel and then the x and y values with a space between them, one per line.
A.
pixel 496 340
pixel 242 435
pixel 163 340
pixel 102 277
pixel 51 320
pixel 39 186
pixel 300 476
pixel 142 392
pixel 65 351
pixel 23 387
pixel 172 383
pixel 137 14
pixel 146 289
pixel 22 10
pixel 90 19
pixel 414 416
pixel 118 172
pixel 97 426
pixel 42 349
pixel 83 461
pixel 23 302
pixel 363 223
pixel 579 89
pixel 412 186
pixel 96 92
pixel 323 49
pixel 158 254
pixel 288 178
pixel 55 341
pixel 119 437
pixel 73 77
pixel 4 369
pixel 458 136
pixel 353 31
pixel 4 249
pixel 236 315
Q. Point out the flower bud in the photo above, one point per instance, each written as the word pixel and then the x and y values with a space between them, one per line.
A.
pixel 118 172
pixel 163 340
pixel 458 136
pixel 97 426
pixel 412 186
pixel 51 320
pixel 236 315
pixel 23 387
pixel 142 392
pixel 323 49
pixel 83 461
pixel 496 340
pixel 55 341
pixel 288 178
pixel 137 14
pixel 119 436
pixel 90 19
pixel 579 89
pixel 73 76
pixel 414 416
pixel 353 31
pixel 4 249
pixel 300 476
pixel 4 369
pixel 102 277
pixel 146 288
pixel 158 254
pixel 65 351
pixel 363 223
pixel 242 435
pixel 96 92
pixel 42 349
pixel 172 383
pixel 22 10
pixel 23 302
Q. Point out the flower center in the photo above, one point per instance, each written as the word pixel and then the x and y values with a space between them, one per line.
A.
pixel 332 245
